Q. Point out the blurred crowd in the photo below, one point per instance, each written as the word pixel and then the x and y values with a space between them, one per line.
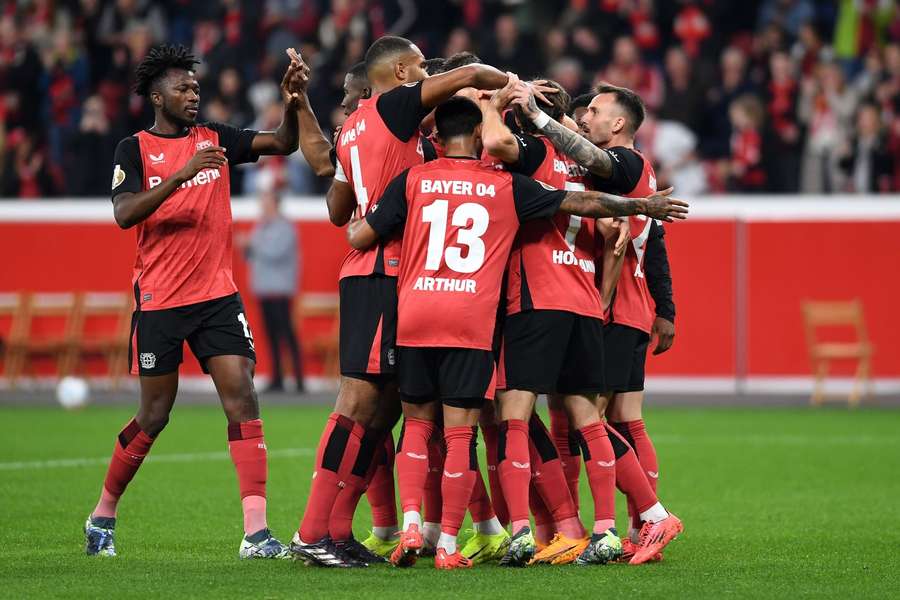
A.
pixel 775 96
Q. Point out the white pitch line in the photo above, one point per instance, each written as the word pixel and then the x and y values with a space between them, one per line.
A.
pixel 64 463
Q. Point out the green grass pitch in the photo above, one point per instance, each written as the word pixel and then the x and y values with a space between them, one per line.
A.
pixel 776 503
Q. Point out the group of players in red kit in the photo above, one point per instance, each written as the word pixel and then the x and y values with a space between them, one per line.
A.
pixel 499 251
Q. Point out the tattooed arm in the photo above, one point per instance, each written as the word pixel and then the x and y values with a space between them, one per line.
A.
pixel 600 204
pixel 569 142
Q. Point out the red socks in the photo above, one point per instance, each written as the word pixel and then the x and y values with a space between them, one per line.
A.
pixel 128 454
pixel 636 434
pixel 248 453
pixel 547 473
pixel 432 495
pixel 630 477
pixel 340 522
pixel 412 462
pixel 600 462
pixel 569 451
pixel 460 469
pixel 380 493
pixel 491 434
pixel 515 468
pixel 337 453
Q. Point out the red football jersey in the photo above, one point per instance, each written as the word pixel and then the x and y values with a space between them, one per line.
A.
pixel 369 156
pixel 184 247
pixel 459 219
pixel 632 304
pixel 552 263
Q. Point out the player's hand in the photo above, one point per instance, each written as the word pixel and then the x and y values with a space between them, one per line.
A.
pixel 615 228
pixel 295 80
pixel 664 330
pixel 664 208
pixel 501 98
pixel 211 157
pixel 539 89
pixel 623 225
pixel 523 98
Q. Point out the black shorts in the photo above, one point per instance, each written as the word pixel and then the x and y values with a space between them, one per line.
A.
pixel 368 326
pixel 625 356
pixel 553 351
pixel 461 377
pixel 212 328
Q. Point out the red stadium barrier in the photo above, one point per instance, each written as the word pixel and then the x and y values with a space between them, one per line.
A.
pixel 741 267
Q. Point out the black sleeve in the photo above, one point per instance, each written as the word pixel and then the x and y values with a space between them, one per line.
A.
pixel 429 152
pixel 509 119
pixel 237 142
pixel 402 110
pixel 128 172
pixel 390 211
pixel 332 156
pixel 532 153
pixel 627 168
pixel 659 278
pixel 535 200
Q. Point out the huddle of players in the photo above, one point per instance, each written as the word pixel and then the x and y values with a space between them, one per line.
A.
pixel 514 281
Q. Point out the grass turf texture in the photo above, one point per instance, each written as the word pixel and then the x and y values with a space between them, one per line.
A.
pixel 777 503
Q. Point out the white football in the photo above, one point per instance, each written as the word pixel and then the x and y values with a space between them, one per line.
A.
pixel 72 392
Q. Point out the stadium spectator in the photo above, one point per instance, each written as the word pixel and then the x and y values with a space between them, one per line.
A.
pixel 866 158
pixel 272 251
pixel 628 70
pixel 91 144
pixel 732 84
pixel 683 92
pixel 745 166
pixel 826 108
pixel 781 110
pixel 671 147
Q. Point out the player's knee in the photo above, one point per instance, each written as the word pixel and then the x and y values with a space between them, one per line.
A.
pixel 241 406
pixel 152 421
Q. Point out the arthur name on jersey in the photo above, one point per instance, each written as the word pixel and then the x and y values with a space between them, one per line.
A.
pixel 444 284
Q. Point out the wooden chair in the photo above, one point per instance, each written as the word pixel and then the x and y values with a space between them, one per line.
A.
pixel 847 314
pixel 112 342
pixel 26 343
pixel 12 306
pixel 318 305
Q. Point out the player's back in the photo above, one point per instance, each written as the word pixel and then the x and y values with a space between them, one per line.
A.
pixel 552 265
pixel 633 304
pixel 370 154
pixel 460 224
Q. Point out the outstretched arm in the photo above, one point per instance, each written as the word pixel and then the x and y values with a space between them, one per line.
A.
pixel 438 88
pixel 313 143
pixel 569 142
pixel 600 204
pixel 286 138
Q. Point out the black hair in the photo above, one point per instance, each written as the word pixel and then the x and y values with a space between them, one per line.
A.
pixel 358 71
pixel 433 66
pixel 385 46
pixel 159 60
pixel 461 59
pixel 456 116
pixel 630 102
pixel 557 109
pixel 581 101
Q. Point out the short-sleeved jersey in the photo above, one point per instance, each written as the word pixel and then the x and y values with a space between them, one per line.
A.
pixel 633 177
pixel 184 247
pixel 378 141
pixel 459 218
pixel 552 263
